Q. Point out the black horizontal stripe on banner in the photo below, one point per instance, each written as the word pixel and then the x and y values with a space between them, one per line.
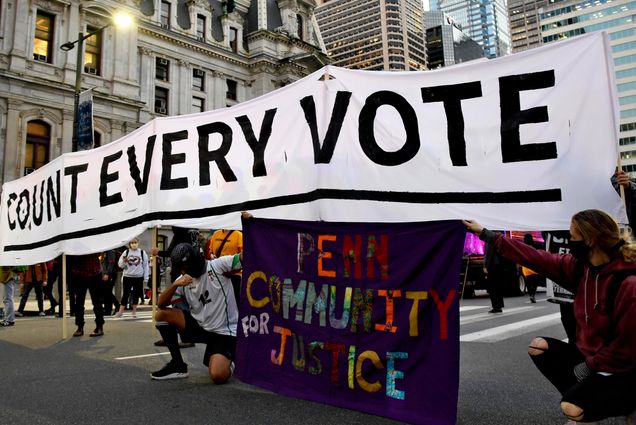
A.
pixel 514 197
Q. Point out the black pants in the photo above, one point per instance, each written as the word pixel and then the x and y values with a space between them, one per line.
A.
pixel 48 289
pixel 568 320
pixel 38 295
pixel 532 282
pixel 134 285
pixel 96 289
pixel 496 278
pixel 110 300
pixel 599 396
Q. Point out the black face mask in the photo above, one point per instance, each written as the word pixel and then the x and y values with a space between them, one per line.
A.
pixel 579 250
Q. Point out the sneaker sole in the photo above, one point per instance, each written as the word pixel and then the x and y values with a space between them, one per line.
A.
pixel 176 375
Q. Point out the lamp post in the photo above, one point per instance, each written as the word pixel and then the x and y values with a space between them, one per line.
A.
pixel 120 20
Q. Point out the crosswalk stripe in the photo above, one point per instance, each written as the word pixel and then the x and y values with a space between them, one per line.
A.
pixel 500 333
pixel 143 355
pixel 474 318
pixel 463 308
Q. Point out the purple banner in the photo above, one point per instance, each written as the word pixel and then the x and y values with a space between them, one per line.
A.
pixel 362 316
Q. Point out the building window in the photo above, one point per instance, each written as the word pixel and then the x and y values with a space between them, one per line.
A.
pixel 198 79
pixel 231 90
pixel 43 42
pixel 198 104
pixel 162 69
pixel 37 145
pixel 162 243
pixel 234 39
pixel 299 21
pixel 201 27
pixel 165 14
pixel 93 52
pixel 97 139
pixel 161 100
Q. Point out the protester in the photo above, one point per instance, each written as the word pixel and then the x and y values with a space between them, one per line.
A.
pixel 226 242
pixel 9 279
pixel 212 315
pixel 180 235
pixel 620 178
pixel 532 279
pixel 34 278
pixel 495 276
pixel 223 242
pixel 134 262
pixel 53 272
pixel 596 375
pixel 85 274
pixel 108 265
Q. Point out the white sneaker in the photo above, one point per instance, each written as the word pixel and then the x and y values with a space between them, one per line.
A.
pixel 119 314
pixel 41 313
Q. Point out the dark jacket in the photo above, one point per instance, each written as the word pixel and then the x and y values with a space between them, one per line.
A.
pixel 608 341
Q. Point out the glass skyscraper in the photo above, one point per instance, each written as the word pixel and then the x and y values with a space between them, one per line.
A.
pixel 485 21
pixel 568 19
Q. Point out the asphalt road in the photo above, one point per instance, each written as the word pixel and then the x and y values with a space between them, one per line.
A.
pixel 47 380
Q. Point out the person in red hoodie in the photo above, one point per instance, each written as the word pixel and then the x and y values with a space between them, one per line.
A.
pixel 597 375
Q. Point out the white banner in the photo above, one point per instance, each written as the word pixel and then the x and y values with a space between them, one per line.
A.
pixel 520 142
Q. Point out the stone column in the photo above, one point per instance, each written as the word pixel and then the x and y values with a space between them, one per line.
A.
pixel 182 88
pixel 219 88
pixel 67 131
pixel 21 36
pixel 13 161
pixel 146 83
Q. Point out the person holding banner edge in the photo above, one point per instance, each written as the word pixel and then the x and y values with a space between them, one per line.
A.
pixel 596 375
pixel 212 316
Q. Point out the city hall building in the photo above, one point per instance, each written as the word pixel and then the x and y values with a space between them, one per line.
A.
pixel 178 57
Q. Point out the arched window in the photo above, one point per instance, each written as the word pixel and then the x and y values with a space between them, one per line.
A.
pixel 38 143
pixel 97 139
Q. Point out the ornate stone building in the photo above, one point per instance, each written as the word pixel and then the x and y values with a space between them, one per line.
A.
pixel 179 57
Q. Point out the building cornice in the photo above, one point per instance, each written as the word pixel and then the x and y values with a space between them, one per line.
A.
pixel 192 44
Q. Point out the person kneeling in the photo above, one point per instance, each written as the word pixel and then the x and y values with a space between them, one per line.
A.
pixel 212 318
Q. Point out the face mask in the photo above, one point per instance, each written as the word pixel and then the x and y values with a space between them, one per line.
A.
pixel 579 250
pixel 134 245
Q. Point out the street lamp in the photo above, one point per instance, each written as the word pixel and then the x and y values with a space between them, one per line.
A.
pixel 120 20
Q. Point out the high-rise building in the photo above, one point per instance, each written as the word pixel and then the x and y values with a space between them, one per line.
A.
pixel 485 21
pixel 180 57
pixel 568 19
pixel 446 43
pixel 524 23
pixel 374 34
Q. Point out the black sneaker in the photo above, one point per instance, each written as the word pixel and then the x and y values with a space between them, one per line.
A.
pixel 6 323
pixel 171 371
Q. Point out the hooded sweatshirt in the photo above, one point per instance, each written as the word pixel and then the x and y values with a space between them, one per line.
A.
pixel 607 340
pixel 135 264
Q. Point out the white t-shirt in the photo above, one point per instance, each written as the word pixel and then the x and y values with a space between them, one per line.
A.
pixel 211 296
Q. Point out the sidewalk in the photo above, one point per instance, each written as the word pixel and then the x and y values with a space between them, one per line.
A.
pixel 31 308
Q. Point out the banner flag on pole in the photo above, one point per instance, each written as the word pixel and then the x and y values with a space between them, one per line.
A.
pixel 519 142
pixel 357 315
pixel 85 121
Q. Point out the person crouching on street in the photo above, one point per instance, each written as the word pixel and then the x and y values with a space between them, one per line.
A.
pixel 213 314
pixel 596 376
